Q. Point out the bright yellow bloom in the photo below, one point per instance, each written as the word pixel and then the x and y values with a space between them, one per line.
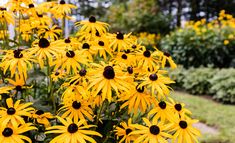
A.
pixel 52 33
pixel 155 132
pixel 6 17
pixel 13 134
pixel 14 112
pixel 104 78
pixel 226 42
pixel 120 42
pixel 42 118
pixel 124 132
pixel 72 132
pixel 17 61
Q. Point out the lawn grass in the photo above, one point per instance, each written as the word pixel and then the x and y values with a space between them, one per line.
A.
pixel 213 114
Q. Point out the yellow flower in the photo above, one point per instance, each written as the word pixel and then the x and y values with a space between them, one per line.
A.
pixel 76 109
pixel 44 50
pixel 62 9
pixel 104 78
pixel 136 99
pixel 14 112
pixel 155 132
pixel 70 61
pixel 124 132
pixel 13 134
pixel 6 17
pixel 162 111
pixel 72 132
pixel 120 42
pixel 157 82
pixel 42 118
pixel 17 61
pixel 183 131
pixel 92 27
pixel 226 42
pixel 49 33
pixel 6 89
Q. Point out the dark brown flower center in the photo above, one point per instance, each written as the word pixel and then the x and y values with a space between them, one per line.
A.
pixel 11 111
pixel 167 54
pixel 18 54
pixel 109 72
pixel 178 107
pixel 67 40
pixel 153 77
pixel 120 36
pixel 92 19
pixel 147 53
pixel 3 9
pixel 154 129
pixel 70 54
pixel 39 112
pixel 162 104
pixel 85 46
pixel 62 2
pixel 31 5
pixel 183 124
pixel 101 43
pixel 39 15
pixel 43 43
pixel 124 56
pixel 72 128
pixel 130 70
pixel 18 88
pixel 140 89
pixel 128 131
pixel 7 132
pixel 82 72
pixel 76 105
pixel 57 73
pixel 133 46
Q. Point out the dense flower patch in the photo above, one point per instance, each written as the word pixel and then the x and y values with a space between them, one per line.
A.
pixel 94 87
pixel 202 43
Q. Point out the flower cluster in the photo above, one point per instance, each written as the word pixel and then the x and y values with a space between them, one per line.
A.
pixel 91 78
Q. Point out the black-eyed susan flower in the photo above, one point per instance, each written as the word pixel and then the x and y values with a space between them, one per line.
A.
pixel 58 74
pixel 52 33
pixel 14 133
pixel 155 132
pixel 91 27
pixel 76 109
pixel 137 99
pixel 62 8
pixel 88 50
pixel 158 83
pixel 162 111
pixel 72 132
pixel 42 117
pixel 124 131
pixel 147 59
pixel 120 42
pixel 184 132
pixel 102 46
pixel 14 112
pixel 167 57
pixel 18 83
pixel 68 43
pixel 178 108
pixel 6 17
pixel 104 78
pixel 44 50
pixel 71 61
pixel 17 61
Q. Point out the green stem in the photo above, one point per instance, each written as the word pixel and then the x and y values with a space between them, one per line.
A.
pixel 50 88
pixel 63 27
pixel 99 114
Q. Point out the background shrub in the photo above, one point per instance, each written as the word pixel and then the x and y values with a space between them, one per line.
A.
pixel 223 85
pixel 201 44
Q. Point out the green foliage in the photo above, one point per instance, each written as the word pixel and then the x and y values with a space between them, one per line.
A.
pixel 192 48
pixel 133 16
pixel 217 82
pixel 223 85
